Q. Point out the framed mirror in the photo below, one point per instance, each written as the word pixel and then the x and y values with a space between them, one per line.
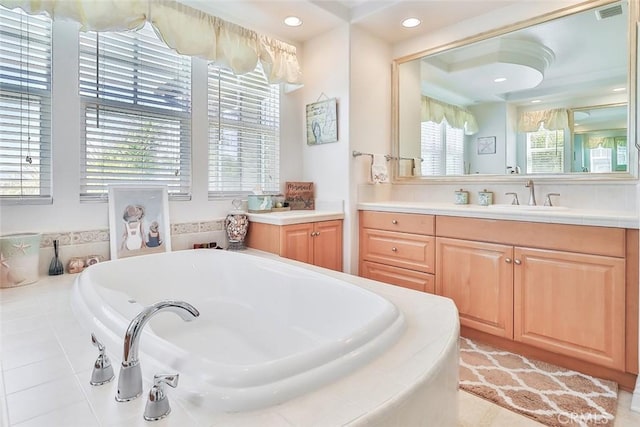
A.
pixel 551 97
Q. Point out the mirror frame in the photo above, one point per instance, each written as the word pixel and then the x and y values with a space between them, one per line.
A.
pixel 632 119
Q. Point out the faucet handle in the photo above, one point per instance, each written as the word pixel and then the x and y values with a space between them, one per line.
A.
pixel 158 404
pixel 515 200
pixel 102 369
pixel 547 199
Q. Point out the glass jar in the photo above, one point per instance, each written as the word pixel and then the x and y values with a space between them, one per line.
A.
pixel 236 224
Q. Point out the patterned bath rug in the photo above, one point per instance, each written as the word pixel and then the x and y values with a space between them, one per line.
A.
pixel 549 394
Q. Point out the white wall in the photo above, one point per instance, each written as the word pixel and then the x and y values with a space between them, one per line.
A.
pixel 492 117
pixel 326 74
pixel 370 117
pixel 68 214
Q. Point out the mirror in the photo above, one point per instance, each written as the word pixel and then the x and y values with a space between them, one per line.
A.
pixel 546 99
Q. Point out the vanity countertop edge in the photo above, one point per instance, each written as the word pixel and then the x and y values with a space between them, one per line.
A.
pixel 295 217
pixel 601 218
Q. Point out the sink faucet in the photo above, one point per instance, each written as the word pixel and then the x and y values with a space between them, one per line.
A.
pixel 532 193
pixel 130 378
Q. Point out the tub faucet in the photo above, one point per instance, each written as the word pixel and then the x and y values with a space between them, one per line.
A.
pixel 130 378
pixel 532 193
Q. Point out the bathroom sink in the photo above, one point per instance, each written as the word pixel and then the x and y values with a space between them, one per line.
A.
pixel 528 207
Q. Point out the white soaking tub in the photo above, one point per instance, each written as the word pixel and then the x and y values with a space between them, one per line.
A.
pixel 268 331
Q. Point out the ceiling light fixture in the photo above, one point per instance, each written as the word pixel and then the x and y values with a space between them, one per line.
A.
pixel 292 21
pixel 620 89
pixel 500 79
pixel 411 22
pixel 535 101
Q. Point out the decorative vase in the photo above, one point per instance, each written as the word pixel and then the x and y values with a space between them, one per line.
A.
pixel 19 259
pixel 236 224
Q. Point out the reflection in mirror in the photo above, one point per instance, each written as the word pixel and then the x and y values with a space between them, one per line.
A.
pixel 550 98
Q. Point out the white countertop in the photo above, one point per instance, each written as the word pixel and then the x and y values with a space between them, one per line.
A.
pixel 559 215
pixel 295 217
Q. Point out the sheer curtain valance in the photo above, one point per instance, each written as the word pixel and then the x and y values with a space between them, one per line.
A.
pixel 555 119
pixel 459 118
pixel 185 29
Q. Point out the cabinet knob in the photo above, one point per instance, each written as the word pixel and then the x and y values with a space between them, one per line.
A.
pixel 317 233
pixel 394 249
pixel 394 221
pixel 507 260
pixel 517 261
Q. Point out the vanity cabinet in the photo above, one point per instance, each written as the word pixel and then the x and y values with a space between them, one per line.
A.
pixel 318 243
pixel 398 248
pixel 556 287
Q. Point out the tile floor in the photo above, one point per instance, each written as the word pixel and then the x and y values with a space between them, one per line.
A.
pixel 44 372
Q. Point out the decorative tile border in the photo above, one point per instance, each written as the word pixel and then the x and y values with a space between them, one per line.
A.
pixel 96 236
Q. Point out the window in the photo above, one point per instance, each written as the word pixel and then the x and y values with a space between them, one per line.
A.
pixel 244 133
pixel 136 113
pixel 25 107
pixel 442 148
pixel 545 151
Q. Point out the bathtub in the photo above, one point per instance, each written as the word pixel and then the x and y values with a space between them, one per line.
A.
pixel 268 331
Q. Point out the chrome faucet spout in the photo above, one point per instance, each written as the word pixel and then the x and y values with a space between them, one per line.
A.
pixel 130 378
pixel 532 193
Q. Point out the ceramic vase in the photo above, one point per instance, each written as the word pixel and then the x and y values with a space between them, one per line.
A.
pixel 20 258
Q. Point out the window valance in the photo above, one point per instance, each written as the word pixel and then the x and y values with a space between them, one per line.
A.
pixel 459 118
pixel 555 119
pixel 183 28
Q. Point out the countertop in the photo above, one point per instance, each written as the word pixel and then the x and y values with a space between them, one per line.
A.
pixel 295 217
pixel 559 215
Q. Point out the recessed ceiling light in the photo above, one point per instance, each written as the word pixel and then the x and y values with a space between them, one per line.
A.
pixel 500 79
pixel 620 89
pixel 292 21
pixel 411 22
pixel 535 101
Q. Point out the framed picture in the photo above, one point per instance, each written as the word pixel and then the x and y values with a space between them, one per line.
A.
pixel 322 122
pixel 138 220
pixel 487 145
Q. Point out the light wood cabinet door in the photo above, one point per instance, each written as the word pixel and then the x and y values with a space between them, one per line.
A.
pixel 327 244
pixel 296 242
pixel 415 280
pixel 317 243
pixel 572 304
pixel 478 277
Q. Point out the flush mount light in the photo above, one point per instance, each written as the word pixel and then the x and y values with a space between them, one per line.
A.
pixel 500 79
pixel 411 22
pixel 292 21
pixel 535 101
pixel 620 89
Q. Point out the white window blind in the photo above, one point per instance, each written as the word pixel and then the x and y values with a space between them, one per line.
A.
pixel 442 149
pixel 545 151
pixel 244 133
pixel 25 107
pixel 136 105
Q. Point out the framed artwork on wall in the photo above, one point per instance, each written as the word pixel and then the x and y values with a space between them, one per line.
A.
pixel 487 145
pixel 322 122
pixel 138 220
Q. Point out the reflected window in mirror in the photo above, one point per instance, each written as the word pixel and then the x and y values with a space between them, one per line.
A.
pixel 545 151
pixel 442 149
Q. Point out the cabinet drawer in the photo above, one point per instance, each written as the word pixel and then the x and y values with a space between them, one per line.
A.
pixel 412 251
pixel 391 221
pixel 415 280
